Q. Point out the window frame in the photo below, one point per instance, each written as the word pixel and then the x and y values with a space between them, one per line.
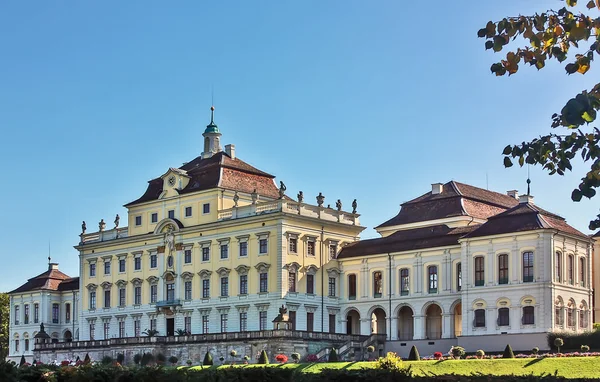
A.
pixel 501 316
pixel 528 317
pixel 404 282
pixel 310 284
pixel 263 286
pixel 332 287
pixel 205 208
pixel 479 268
pixel 432 279
pixel 187 256
pixel 188 212
pixel 352 286
pixel 263 246
pixel 377 284
pixel 479 318
pixel 243 284
pixel 528 266
pixel 224 286
pixel 503 269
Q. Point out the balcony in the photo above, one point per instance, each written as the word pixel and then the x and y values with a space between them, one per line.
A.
pixel 168 303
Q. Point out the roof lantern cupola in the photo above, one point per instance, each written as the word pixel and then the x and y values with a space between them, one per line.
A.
pixel 212 137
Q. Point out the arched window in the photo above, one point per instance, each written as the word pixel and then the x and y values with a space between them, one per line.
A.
pixel 558 313
pixel 503 317
pixel 377 284
pixel 571 314
pixel 404 282
pixel 479 321
pixel 528 267
pixel 479 271
pixel 528 315
pixel 571 269
pixel 558 266
pixel 352 287
pixel 458 276
pixel 582 278
pixel 503 269
pixel 432 271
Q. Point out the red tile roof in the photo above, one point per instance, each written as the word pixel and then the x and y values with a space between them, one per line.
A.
pixel 52 279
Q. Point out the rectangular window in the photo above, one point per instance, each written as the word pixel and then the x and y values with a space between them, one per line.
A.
pixel 121 297
pixel 171 214
pixel 243 321
pixel 206 288
pixel 137 263
pixel 262 320
pixel 291 281
pixel 377 284
pixel 188 290
pixel 55 313
pixel 92 300
pixel 153 262
pixel 170 292
pixel 153 324
pixel 293 245
pixel 121 265
pixel 310 284
pixel 153 294
pixel 137 295
pixel 263 288
pixel 528 315
pixel 16 346
pixel 67 313
pixel 92 269
pixel 26 311
pixel 527 267
pixel 137 328
pixel 224 286
pixel 558 316
pixel 205 254
pixel 26 344
pixel 154 217
pixel 205 324
pixel 503 317
pixel 107 299
pixel 292 317
pixel 433 278
pixel 570 268
pixel 310 248
pixel 458 277
pixel 582 319
pixel 224 251
pixel 138 221
pixel 187 324
pixel 503 268
pixel 582 278
pixel 352 287
pixel 332 287
pixel 106 330
pixel 188 212
pixel 224 323
pixel 263 246
pixel 107 267
pixel 206 208
pixel 36 311
pixel 332 323
pixel 404 282
pixel 17 315
pixel 332 251
pixel 187 256
pixel 243 284
pixel 310 321
pixel 479 271
pixel 92 331
pixel 479 321
pixel 558 266
pixel 243 249
pixel 121 329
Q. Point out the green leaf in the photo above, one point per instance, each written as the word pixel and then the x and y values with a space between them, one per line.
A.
pixel 507 162
pixel 489 44
pixel 591 4
pixel 507 150
pixel 576 196
pixel 572 68
pixel 521 161
pixel 571 3
pixel 482 32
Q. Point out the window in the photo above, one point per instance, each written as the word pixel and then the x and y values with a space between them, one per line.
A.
pixel 528 315
pixel 153 293
pixel 243 321
pixel 121 265
pixel 137 295
pixel 582 319
pixel 121 329
pixel 187 290
pixel 170 292
pixel 92 300
pixel 332 287
pixel 224 323
pixel 310 284
pixel 92 330
pixel 55 313
pixel 171 214
pixel 36 310
pixel 293 245
pixel 292 281
pixel 571 316
pixel 243 284
pixel 188 212
pixel 582 277
pixel 187 256
pixel 404 282
pixel 67 312
pixel 26 311
pixel 558 266
pixel 332 323
pixel 206 288
pixel 107 299
pixel 16 346
pixel 137 263
pixel 503 268
pixel 17 314
pixel 205 323
pixel 479 321
pixel 558 316
pixel 244 249
pixel 138 220
pixel 106 330
pixel 121 297
pixel 224 251
pixel 570 269
pixel 528 267
pixel 137 328
pixel 263 284
pixel 263 246
pixel 205 254
pixel 310 248
pixel 433 278
pixel 352 287
pixel 292 318
pixel 262 320
pixel 224 286
pixel 332 251
pixel 310 321
pixel 458 276
pixel 153 324
pixel 206 208
pixel 187 324
pixel 377 284
pixel 479 271
pixel 154 217
pixel 153 262
pixel 92 269
pixel 503 317
pixel 26 344
pixel 107 267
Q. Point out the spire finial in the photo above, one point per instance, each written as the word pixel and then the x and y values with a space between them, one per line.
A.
pixel 528 183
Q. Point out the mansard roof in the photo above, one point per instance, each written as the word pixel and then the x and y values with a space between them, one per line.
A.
pixel 52 279
pixel 219 170
pixel 456 199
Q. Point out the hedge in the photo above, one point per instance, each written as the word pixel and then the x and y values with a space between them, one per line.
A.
pixel 574 341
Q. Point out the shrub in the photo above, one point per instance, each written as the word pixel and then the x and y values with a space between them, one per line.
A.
pixel 161 359
pixel 596 326
pixel 333 356
pixel 106 360
pixel 189 362
pixel 457 351
pixel 23 362
pixel 120 358
pixel 263 359
pixel 585 348
pixel 296 357
pixel 535 350
pixel 221 358
pixel 87 359
pixel 414 354
pixel 508 352
pixel 246 358
pixel 150 332
pixel 437 355
pixel 233 353
pixel 573 341
pixel 480 353
pixel 137 358
pixel 370 349
pixel 558 342
pixel 281 358
pixel 208 359
pixel 147 358
pixel 173 360
pixel 390 362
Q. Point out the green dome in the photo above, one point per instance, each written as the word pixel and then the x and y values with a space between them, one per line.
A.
pixel 212 128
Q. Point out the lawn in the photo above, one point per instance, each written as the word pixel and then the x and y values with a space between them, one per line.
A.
pixel 569 367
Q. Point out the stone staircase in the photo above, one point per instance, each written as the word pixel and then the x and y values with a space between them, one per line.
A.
pixel 347 347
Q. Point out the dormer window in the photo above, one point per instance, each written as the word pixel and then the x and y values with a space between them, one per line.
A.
pixel 171 214
pixel 154 217
pixel 138 220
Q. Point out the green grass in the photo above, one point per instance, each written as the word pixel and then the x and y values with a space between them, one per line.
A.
pixel 572 367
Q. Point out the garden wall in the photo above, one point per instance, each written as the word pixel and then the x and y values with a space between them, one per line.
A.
pixel 497 343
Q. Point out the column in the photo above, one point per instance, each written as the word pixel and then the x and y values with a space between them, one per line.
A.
pixel 365 326
pixel 393 331
pixel 447 329
pixel 419 327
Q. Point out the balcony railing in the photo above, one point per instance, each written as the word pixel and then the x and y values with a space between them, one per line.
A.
pixel 167 303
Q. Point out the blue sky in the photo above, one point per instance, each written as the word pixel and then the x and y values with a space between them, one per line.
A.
pixel 355 99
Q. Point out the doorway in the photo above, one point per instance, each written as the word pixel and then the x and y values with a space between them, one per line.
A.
pixel 170 326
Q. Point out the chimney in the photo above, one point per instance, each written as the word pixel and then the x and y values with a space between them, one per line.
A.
pixel 53 266
pixel 230 150
pixel 513 194
pixel 526 199
pixel 437 188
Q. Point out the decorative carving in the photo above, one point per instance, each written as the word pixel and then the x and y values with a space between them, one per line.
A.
pixel 262 267
pixel 320 199
pixel 153 280
pixel 354 205
pixel 242 269
pixel 117 220
pixel 223 271
pixel 300 197
pixel 187 276
pixel 338 205
pixel 101 225
pixel 91 286
pixel 254 196
pixel 282 189
pixel 137 281
pixel 121 283
pixel 83 227
pixel 236 199
pixel 204 274
pixel 106 285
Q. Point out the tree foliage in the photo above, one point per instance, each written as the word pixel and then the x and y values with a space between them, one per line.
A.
pixel 508 352
pixel 565 36
pixel 4 319
pixel 414 354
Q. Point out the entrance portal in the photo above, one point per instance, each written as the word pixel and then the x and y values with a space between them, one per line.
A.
pixel 170 326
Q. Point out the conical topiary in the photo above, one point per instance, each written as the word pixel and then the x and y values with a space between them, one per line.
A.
pixel 23 362
pixel 87 359
pixel 508 353
pixel 333 356
pixel 208 360
pixel 263 359
pixel 414 354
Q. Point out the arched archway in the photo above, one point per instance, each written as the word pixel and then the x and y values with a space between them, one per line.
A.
pixel 406 329
pixel 433 322
pixel 353 322
pixel 378 321
pixel 457 314
pixel 68 336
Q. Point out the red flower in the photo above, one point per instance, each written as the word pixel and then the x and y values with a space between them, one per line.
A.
pixel 282 358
